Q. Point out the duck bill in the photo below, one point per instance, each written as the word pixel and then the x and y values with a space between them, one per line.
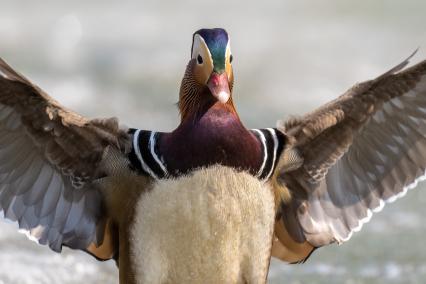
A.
pixel 219 86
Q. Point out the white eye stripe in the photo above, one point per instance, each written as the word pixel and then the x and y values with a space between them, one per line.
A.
pixel 199 47
pixel 228 52
pixel 204 69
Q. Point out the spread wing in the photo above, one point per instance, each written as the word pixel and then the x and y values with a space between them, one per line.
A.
pixel 50 161
pixel 364 149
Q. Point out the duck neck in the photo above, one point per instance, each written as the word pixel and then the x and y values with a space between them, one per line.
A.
pixel 212 120
pixel 194 109
pixel 214 135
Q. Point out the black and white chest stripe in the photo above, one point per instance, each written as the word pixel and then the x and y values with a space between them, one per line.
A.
pixel 144 156
pixel 147 160
pixel 273 144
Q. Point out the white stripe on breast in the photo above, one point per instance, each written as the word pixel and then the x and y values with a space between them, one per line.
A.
pixel 265 152
pixel 274 157
pixel 152 142
pixel 139 155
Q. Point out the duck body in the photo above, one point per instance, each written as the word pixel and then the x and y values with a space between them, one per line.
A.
pixel 212 176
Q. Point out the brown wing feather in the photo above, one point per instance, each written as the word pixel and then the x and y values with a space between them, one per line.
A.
pixel 50 160
pixel 360 150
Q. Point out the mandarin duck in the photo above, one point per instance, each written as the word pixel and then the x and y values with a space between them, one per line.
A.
pixel 210 201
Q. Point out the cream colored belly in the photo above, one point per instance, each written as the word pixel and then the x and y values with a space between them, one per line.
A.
pixel 212 227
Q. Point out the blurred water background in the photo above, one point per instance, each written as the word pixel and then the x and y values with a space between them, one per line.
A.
pixel 126 59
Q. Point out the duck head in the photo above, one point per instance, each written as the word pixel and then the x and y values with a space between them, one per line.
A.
pixel 208 78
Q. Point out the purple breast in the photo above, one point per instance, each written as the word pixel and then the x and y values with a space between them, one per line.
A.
pixel 198 145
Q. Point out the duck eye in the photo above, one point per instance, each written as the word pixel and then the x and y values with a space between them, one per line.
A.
pixel 199 59
pixel 231 58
